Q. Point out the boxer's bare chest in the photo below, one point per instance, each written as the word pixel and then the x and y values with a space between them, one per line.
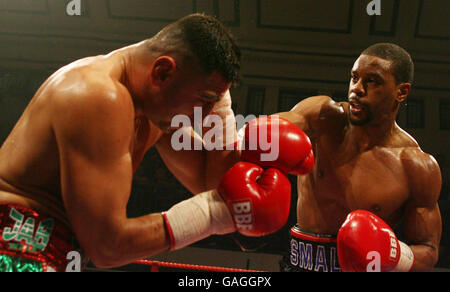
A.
pixel 344 180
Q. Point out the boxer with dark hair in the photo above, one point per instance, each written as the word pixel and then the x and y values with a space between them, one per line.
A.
pixel 370 177
pixel 66 168
pixel 366 161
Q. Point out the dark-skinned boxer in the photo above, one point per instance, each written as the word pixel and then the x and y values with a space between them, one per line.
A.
pixel 370 177
pixel 365 161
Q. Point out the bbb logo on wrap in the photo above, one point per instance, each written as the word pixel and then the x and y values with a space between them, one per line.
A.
pixel 393 250
pixel 243 215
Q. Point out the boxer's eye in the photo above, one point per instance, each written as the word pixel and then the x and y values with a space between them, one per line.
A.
pixel 206 101
pixel 211 96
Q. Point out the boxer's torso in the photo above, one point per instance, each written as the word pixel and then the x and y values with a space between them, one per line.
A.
pixel 29 157
pixel 346 178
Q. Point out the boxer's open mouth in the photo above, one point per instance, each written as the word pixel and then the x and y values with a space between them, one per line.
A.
pixel 356 107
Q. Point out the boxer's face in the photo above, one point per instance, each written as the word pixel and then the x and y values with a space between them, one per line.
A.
pixel 186 89
pixel 372 91
pixel 195 91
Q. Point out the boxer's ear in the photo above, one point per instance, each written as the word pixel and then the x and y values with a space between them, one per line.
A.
pixel 163 68
pixel 403 91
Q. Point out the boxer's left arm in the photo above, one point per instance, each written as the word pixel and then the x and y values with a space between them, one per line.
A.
pixel 422 218
pixel 202 170
pixel 186 165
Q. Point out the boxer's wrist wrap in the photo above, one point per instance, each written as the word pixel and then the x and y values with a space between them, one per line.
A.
pixel 406 260
pixel 197 218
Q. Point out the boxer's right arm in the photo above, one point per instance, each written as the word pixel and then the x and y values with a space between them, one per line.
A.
pixel 311 113
pixel 309 116
pixel 93 131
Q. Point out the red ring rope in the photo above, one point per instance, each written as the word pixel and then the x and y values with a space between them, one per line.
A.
pixel 155 267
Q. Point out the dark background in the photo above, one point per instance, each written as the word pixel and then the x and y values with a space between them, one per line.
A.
pixel 292 49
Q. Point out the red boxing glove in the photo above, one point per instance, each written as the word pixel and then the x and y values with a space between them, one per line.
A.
pixel 258 199
pixel 366 243
pixel 275 142
pixel 249 199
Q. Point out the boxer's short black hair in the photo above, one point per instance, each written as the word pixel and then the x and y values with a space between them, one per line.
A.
pixel 402 66
pixel 207 39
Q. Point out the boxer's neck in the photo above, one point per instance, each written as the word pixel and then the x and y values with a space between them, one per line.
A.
pixel 368 136
pixel 135 66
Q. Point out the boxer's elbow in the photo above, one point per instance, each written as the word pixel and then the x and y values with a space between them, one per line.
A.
pixel 104 256
pixel 433 258
pixel 105 251
pixel 426 258
pixel 102 261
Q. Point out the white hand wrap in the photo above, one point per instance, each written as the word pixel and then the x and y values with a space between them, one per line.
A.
pixel 197 218
pixel 406 258
pixel 224 131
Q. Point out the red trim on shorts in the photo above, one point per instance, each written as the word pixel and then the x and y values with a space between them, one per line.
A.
pixel 297 233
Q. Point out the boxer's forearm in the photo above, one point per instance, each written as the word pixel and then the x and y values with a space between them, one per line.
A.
pixel 135 239
pixel 423 228
pixel 297 119
pixel 425 258
pixel 201 165
pixel 201 169
pixel 221 151
pixel 188 166
pixel 217 164
pixel 220 158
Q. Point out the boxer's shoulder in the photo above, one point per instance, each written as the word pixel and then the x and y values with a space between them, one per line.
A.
pixel 86 107
pixel 424 175
pixel 411 155
pixel 83 88
pixel 321 104
pixel 322 111
pixel 92 75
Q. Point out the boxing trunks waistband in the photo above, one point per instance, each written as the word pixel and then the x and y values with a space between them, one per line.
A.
pixel 312 252
pixel 33 242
